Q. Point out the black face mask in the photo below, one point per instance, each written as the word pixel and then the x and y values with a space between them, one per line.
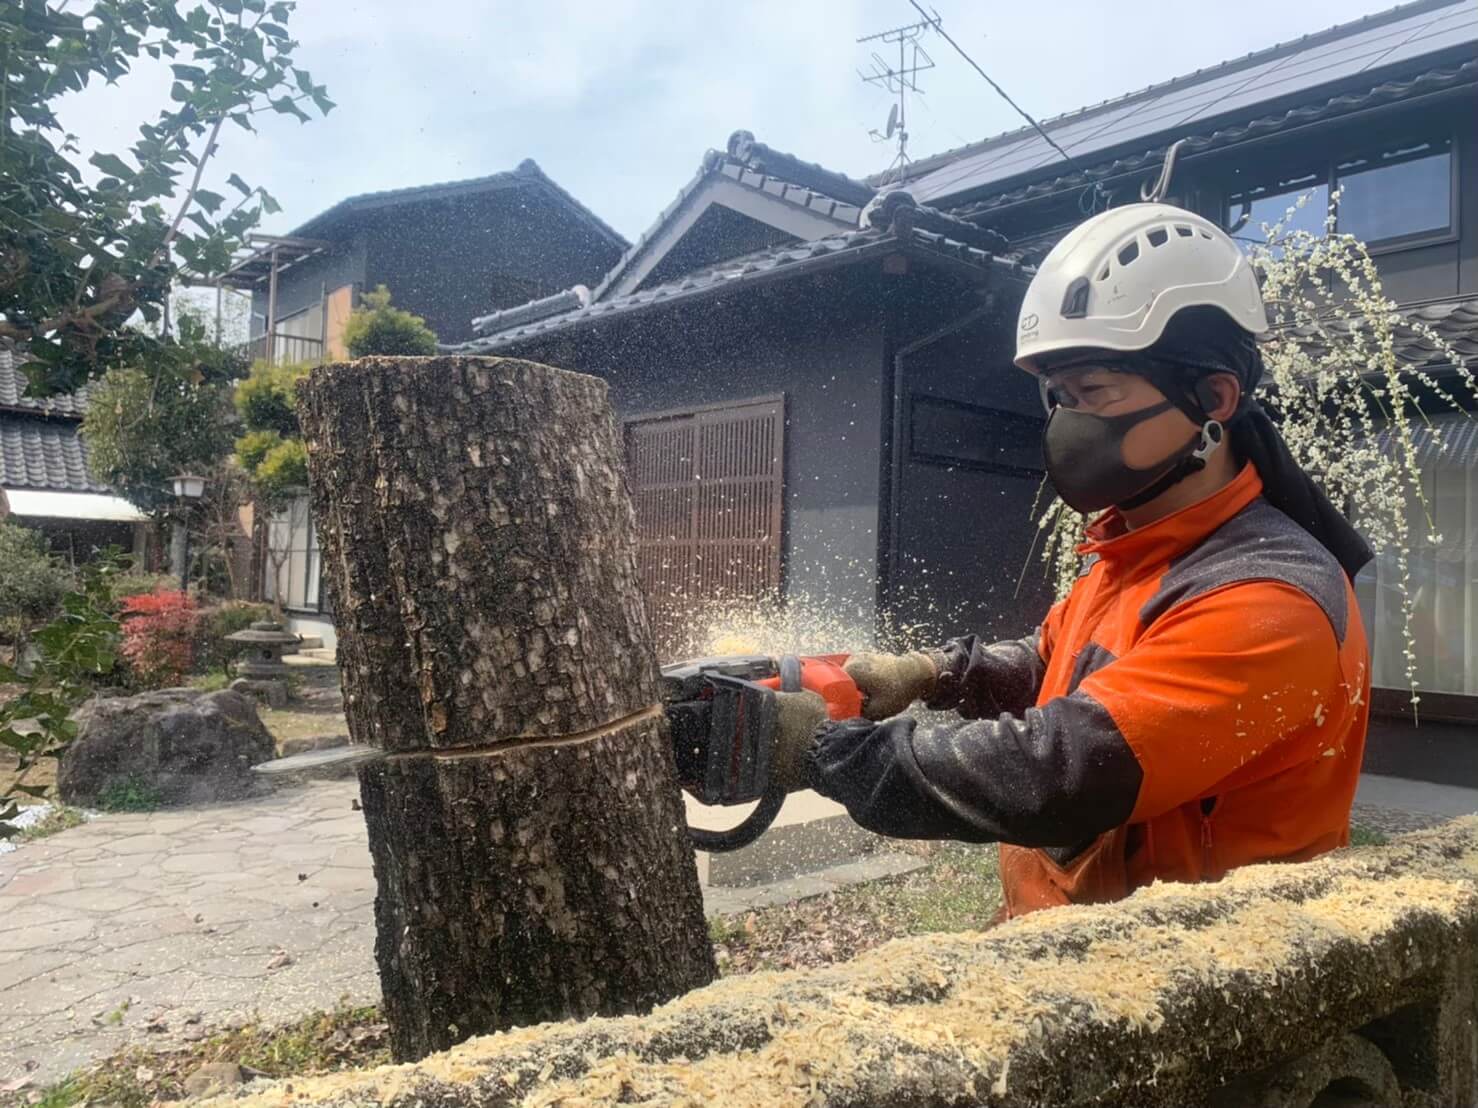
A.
pixel 1085 457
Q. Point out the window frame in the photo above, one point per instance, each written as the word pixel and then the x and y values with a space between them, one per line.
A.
pixel 1326 176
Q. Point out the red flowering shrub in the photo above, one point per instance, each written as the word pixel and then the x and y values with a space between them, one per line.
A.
pixel 159 637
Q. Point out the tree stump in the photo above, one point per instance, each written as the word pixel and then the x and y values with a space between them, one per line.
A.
pixel 525 822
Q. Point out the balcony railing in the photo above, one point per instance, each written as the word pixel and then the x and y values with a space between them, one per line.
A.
pixel 285 349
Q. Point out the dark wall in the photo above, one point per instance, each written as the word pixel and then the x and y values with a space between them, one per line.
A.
pixel 451 260
pixel 970 446
pixel 818 341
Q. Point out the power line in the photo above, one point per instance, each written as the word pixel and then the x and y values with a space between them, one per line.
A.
pixel 938 24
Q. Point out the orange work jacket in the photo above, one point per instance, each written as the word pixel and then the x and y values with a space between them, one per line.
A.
pixel 1199 701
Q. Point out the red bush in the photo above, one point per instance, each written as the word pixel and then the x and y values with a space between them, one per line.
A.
pixel 159 637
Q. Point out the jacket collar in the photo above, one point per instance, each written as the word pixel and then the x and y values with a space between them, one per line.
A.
pixel 1176 533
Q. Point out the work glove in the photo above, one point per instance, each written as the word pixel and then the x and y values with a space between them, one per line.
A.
pixel 889 683
pixel 801 713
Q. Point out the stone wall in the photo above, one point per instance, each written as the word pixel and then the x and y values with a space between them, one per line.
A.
pixel 1353 975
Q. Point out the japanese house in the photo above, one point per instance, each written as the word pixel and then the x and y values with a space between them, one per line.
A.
pixel 814 372
pixel 446 252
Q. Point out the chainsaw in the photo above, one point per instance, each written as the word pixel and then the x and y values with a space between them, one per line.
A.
pixel 723 715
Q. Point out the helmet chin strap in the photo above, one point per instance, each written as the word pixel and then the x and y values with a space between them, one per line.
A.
pixel 1194 401
pixel 1193 460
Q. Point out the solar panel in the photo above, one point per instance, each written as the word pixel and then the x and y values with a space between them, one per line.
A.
pixel 1235 89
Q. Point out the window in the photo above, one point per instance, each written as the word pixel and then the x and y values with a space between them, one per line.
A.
pixel 1398 195
pixel 1268 204
pixel 952 433
pixel 1443 576
pixel 293 566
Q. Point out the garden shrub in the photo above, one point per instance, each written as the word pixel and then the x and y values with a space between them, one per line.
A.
pixel 136 582
pixel 159 637
pixel 377 328
pixel 33 581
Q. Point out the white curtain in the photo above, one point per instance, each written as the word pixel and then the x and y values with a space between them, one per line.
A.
pixel 295 540
pixel 1443 576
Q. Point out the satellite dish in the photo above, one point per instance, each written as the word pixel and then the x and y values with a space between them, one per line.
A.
pixel 892 120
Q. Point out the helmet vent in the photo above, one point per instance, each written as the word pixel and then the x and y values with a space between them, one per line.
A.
pixel 1104 272
pixel 1183 231
pixel 1128 253
pixel 1205 234
pixel 1075 300
pixel 1158 236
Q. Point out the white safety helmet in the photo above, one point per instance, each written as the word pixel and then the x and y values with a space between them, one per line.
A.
pixel 1114 281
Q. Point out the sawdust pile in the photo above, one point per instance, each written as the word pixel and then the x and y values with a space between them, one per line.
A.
pixel 1150 1002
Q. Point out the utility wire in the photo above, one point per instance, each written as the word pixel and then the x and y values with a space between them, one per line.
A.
pixel 937 24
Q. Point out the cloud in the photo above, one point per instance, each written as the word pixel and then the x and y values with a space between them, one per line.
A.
pixel 618 99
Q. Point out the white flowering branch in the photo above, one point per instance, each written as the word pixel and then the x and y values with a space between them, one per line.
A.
pixel 1334 374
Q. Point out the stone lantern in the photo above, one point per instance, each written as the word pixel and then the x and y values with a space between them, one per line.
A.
pixel 261 668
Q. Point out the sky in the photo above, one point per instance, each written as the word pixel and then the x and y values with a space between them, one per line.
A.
pixel 617 100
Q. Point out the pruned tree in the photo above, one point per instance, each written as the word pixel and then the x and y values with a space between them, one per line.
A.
pixel 525 820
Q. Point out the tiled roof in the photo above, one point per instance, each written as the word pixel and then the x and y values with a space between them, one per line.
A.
pixel 1435 29
pixel 544 307
pixel 41 453
pixel 773 264
pixel 1454 321
pixel 1433 80
pixel 745 149
pixel 716 163
pixel 527 173
pixel 13 387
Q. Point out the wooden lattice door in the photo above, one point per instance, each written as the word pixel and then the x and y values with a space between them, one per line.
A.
pixel 708 488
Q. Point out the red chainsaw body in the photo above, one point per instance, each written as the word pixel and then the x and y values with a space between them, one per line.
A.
pixel 823 674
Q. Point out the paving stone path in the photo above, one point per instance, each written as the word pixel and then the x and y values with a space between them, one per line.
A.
pixel 132 926
pixel 157 928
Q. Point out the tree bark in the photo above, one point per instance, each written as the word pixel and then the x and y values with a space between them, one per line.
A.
pixel 525 821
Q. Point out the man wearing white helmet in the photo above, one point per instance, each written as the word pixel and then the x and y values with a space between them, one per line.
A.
pixel 1199 701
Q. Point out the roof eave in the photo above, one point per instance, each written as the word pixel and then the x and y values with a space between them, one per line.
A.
pixel 974 269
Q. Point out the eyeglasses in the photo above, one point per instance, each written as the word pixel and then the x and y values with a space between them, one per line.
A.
pixel 1093 384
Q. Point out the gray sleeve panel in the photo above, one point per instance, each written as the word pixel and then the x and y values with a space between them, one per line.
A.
pixel 1089 661
pixel 1260 543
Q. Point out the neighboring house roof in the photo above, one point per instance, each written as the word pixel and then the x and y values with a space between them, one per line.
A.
pixel 41 453
pixel 528 174
pixel 13 387
pixel 1374 46
pixel 799 210
pixel 1386 92
pixel 1455 321
pixel 41 443
pixel 722 176
pixel 775 264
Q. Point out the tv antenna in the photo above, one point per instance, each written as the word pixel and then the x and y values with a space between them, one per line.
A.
pixel 913 59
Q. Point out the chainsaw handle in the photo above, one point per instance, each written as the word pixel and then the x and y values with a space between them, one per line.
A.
pixel 750 828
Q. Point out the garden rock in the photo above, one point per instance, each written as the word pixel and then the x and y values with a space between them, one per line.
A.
pixel 182 746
